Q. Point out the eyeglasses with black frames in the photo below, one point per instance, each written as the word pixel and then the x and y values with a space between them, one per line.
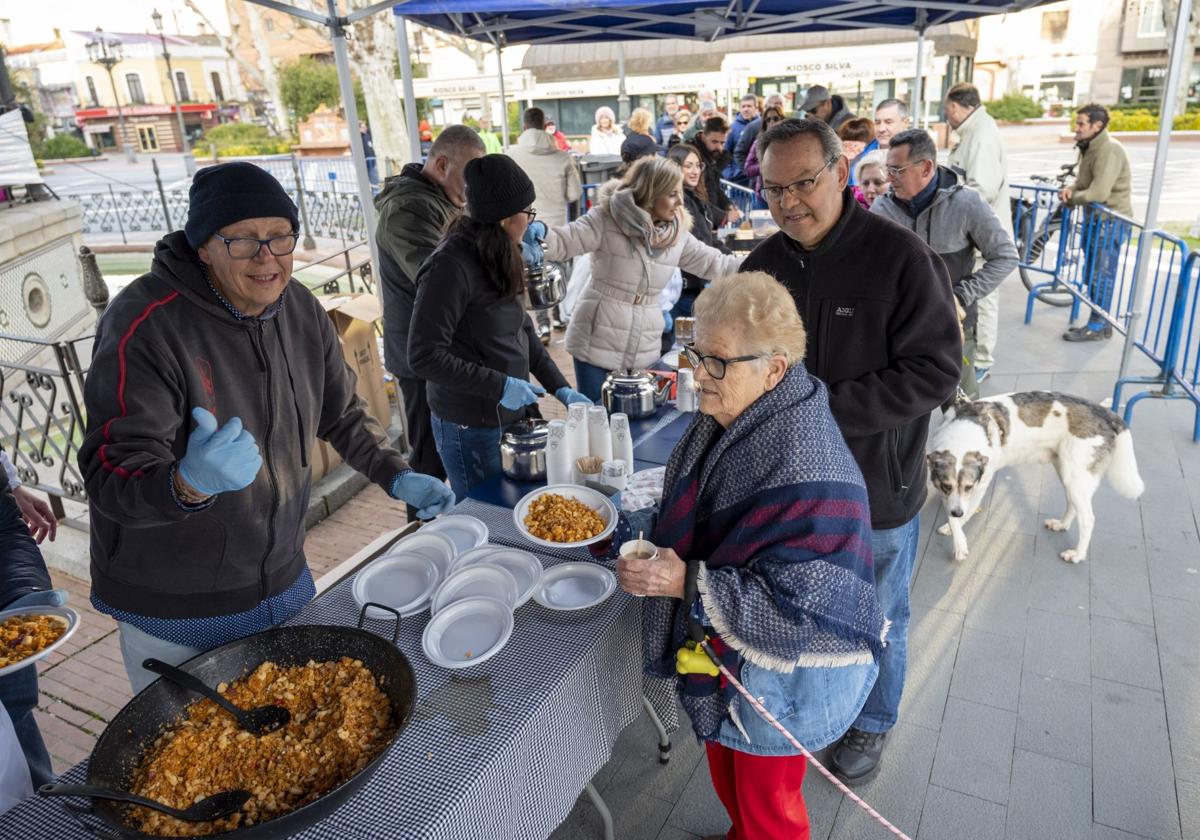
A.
pixel 804 186
pixel 715 366
pixel 247 248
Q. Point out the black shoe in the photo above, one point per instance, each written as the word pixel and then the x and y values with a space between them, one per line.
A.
pixel 1086 333
pixel 855 758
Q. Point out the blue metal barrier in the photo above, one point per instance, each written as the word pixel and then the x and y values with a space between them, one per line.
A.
pixel 1178 376
pixel 742 197
pixel 1044 235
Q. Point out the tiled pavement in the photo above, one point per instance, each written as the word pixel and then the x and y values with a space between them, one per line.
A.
pixel 1043 700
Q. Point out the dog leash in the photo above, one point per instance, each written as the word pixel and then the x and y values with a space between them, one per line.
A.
pixel 769 718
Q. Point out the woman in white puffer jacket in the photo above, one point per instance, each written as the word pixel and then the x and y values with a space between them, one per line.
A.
pixel 638 233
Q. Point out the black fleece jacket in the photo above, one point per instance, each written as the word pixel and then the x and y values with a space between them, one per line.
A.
pixel 466 339
pixel 164 346
pixel 883 335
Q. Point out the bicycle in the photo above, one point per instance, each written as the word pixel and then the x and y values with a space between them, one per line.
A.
pixel 1046 236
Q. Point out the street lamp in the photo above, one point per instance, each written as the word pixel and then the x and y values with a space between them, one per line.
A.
pixel 189 161
pixel 106 51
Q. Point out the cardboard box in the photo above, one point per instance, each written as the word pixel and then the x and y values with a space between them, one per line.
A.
pixel 354 318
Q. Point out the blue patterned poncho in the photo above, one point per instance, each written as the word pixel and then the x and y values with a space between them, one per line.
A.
pixel 776 510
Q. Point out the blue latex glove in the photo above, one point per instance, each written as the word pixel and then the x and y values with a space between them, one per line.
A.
pixel 41 598
pixel 536 232
pixel 532 254
pixel 519 393
pixel 219 460
pixel 566 396
pixel 668 322
pixel 424 492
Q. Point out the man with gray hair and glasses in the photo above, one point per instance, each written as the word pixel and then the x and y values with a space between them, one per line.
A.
pixel 955 221
pixel 883 336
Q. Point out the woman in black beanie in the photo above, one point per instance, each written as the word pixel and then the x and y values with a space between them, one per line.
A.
pixel 470 338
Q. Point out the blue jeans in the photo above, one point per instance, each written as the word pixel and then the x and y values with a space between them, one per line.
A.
pixel 19 694
pixel 1102 251
pixel 588 379
pixel 470 454
pixel 137 646
pixel 894 550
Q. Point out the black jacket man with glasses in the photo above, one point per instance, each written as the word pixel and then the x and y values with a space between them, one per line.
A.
pixel 883 335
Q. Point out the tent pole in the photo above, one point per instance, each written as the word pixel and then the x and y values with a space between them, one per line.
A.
pixel 919 83
pixel 503 100
pixel 410 96
pixel 622 96
pixel 1175 65
pixel 341 57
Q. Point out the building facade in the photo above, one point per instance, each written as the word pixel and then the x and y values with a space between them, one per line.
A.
pixel 1063 55
pixel 207 88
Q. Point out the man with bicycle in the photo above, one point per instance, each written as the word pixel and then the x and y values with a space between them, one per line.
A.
pixel 1103 178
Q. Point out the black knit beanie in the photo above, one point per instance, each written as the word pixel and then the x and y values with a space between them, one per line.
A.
pixel 229 192
pixel 496 188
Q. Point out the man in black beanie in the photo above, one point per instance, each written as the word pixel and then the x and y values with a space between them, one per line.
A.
pixel 212 376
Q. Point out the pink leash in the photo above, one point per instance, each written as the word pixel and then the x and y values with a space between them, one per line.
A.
pixel 765 715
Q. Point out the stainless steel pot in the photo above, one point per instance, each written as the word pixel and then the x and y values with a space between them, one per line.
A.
pixel 636 393
pixel 523 450
pixel 545 286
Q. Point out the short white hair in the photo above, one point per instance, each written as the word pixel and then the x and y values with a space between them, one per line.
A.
pixel 875 157
pixel 760 308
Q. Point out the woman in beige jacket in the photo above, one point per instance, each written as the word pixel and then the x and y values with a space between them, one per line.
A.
pixel 638 233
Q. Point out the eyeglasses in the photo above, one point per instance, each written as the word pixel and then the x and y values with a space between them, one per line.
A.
pixel 896 170
pixel 692 166
pixel 245 248
pixel 804 186
pixel 714 365
pixel 531 213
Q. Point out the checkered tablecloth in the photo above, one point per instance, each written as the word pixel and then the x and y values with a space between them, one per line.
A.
pixel 500 750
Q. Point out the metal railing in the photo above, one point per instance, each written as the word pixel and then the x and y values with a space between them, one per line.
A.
pixel 41 412
pixel 1091 253
pixel 743 198
pixel 1178 373
pixel 323 188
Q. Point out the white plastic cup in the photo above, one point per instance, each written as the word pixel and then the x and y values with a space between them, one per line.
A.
pixel 635 547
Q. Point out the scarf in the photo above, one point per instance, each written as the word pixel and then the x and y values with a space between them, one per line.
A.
pixel 636 223
pixel 776 510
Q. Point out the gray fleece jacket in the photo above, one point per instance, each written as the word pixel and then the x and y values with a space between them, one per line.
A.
pixel 957 224
pixel 165 345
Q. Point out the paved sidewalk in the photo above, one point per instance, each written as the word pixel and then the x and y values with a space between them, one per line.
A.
pixel 1044 701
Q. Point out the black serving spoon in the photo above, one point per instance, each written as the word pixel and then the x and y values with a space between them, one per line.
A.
pixel 209 808
pixel 257 721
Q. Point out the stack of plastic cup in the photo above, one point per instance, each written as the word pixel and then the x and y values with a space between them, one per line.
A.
pixel 559 468
pixel 622 440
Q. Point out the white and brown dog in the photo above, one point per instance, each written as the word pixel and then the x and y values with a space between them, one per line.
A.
pixel 1083 441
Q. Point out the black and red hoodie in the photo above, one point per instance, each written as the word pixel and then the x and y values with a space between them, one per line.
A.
pixel 165 345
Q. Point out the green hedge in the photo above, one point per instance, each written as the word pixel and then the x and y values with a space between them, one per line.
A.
pixel 241 140
pixel 1013 107
pixel 1143 119
pixel 64 146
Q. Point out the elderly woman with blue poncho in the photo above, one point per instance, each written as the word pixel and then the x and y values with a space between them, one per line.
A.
pixel 764 546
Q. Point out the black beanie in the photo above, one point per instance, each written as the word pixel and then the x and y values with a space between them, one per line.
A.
pixel 496 188
pixel 229 192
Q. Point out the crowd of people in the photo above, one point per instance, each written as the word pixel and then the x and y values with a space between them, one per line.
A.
pixel 819 358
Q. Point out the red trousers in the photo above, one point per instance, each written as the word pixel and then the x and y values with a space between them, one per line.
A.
pixel 761 793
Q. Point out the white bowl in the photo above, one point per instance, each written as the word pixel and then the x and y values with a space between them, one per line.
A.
pixel 477 581
pixel 575 586
pixel 592 498
pixel 524 566
pixel 467 632
pixel 402 581
pixel 64 614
